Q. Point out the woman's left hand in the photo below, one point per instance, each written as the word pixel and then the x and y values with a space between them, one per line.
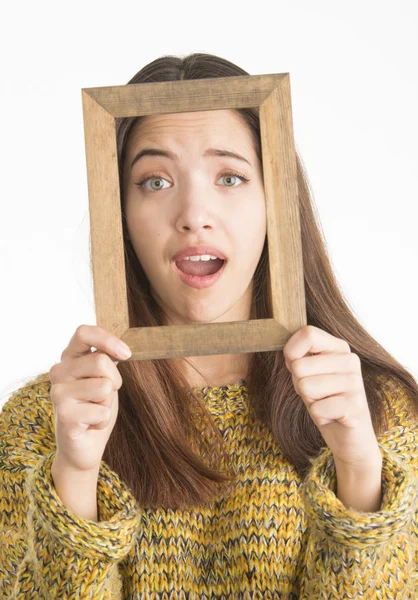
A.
pixel 331 385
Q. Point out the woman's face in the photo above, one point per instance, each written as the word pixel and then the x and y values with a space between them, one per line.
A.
pixel 194 199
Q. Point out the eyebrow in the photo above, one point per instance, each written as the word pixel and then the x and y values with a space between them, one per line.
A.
pixel 168 154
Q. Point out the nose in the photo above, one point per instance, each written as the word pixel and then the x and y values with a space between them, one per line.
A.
pixel 197 206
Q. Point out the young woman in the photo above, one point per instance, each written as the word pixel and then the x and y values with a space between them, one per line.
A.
pixel 285 474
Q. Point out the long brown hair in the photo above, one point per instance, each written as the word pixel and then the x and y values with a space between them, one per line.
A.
pixel 167 456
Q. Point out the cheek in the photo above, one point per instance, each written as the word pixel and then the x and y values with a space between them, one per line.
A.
pixel 149 245
pixel 253 222
pixel 254 211
pixel 136 223
pixel 255 236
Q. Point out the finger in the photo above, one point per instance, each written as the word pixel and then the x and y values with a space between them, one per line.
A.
pixel 88 336
pixel 326 364
pixel 335 408
pixel 91 365
pixel 318 387
pixel 314 340
pixel 328 410
pixel 87 414
pixel 84 390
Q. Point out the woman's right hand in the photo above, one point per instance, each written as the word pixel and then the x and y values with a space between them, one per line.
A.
pixel 84 394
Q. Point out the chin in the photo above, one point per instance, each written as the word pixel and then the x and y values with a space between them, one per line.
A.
pixel 203 314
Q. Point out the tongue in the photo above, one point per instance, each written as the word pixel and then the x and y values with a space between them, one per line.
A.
pixel 200 267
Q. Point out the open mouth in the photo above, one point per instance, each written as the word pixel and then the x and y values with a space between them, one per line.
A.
pixel 200 275
pixel 200 268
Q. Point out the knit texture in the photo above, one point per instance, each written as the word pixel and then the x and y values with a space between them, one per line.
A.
pixel 273 537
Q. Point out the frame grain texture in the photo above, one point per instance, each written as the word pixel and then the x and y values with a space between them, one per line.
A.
pixel 269 92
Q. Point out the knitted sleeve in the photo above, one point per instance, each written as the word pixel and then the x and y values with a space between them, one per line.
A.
pixel 47 551
pixel 350 553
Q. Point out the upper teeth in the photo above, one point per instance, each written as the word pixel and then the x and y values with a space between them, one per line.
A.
pixel 200 257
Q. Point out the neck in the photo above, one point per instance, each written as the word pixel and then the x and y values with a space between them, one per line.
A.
pixel 216 370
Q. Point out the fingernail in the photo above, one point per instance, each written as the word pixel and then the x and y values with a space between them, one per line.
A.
pixel 123 350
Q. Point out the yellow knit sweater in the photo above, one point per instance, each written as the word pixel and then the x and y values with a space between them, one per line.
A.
pixel 274 537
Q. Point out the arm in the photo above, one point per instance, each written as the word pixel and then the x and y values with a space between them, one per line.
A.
pixel 361 489
pixel 46 549
pixel 370 553
pixel 77 490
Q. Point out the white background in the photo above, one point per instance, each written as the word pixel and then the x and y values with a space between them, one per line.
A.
pixel 353 73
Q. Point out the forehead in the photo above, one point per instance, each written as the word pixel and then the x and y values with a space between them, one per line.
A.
pixel 209 125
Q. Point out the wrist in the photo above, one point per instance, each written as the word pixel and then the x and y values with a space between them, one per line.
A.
pixel 77 490
pixel 373 464
pixel 60 465
pixel 360 487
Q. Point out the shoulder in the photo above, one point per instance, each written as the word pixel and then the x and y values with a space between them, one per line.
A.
pixel 34 395
pixel 27 427
pixel 397 403
pixel 401 427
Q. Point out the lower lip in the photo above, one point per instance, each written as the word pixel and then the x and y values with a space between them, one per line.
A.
pixel 197 281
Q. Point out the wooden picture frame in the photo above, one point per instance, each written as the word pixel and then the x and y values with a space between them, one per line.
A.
pixel 271 93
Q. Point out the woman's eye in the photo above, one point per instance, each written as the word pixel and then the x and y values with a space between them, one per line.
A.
pixel 229 177
pixel 233 176
pixel 150 178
